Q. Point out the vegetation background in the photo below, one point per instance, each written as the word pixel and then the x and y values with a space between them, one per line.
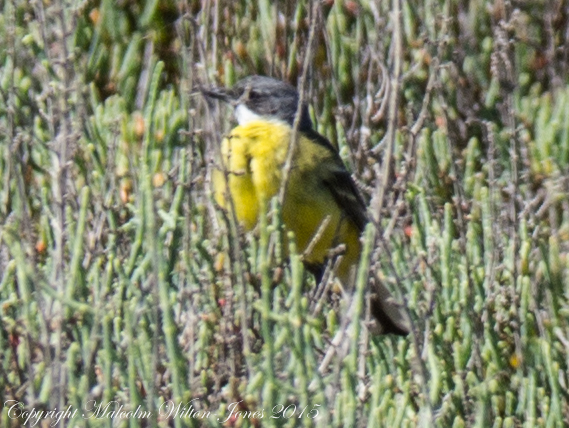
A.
pixel 121 280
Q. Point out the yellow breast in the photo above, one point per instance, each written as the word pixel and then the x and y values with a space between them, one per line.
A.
pixel 253 158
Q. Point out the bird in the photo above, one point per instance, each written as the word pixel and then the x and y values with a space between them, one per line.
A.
pixel 322 205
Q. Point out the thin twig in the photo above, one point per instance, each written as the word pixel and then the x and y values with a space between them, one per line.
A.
pixel 301 89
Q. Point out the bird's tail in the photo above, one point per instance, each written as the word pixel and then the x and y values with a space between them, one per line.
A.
pixel 390 315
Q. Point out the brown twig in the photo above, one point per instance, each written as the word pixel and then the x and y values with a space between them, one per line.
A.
pixel 301 89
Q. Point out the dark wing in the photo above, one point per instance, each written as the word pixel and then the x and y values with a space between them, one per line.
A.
pixel 341 185
pixel 346 194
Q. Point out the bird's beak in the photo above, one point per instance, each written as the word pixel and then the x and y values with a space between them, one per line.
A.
pixel 222 94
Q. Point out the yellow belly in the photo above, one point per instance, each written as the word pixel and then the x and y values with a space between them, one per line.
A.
pixel 253 157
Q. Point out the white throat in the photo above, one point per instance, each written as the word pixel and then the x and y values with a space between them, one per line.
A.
pixel 244 115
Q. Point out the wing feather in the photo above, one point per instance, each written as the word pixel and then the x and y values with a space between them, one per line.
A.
pixel 341 185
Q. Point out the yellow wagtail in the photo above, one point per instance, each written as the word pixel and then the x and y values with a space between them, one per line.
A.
pixel 321 204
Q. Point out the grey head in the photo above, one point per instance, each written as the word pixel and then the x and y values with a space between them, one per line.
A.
pixel 261 97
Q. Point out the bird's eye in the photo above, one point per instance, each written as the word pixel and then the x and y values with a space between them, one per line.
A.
pixel 253 95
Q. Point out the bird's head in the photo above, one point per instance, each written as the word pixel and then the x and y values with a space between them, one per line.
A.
pixel 261 97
